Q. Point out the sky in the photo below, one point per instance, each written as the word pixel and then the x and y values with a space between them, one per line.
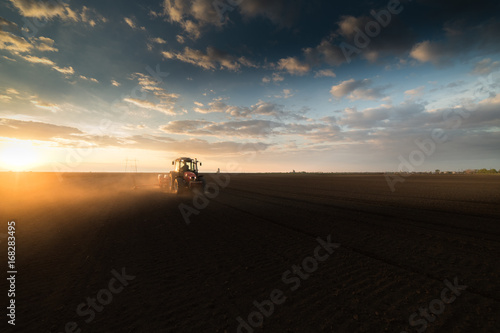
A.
pixel 250 85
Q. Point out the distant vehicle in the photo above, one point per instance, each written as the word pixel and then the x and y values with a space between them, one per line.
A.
pixel 184 177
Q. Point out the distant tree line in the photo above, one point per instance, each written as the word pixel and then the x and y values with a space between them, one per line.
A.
pixel 476 171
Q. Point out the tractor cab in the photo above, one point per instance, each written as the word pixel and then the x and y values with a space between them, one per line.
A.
pixel 184 164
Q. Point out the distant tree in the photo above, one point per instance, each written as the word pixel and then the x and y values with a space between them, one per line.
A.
pixel 438 171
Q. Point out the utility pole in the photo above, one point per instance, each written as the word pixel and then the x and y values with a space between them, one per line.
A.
pixel 133 164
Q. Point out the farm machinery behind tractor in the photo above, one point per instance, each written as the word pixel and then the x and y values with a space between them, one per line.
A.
pixel 184 177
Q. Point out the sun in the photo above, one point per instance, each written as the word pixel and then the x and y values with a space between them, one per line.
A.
pixel 18 155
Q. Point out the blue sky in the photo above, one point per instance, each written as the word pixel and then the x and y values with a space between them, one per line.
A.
pixel 265 85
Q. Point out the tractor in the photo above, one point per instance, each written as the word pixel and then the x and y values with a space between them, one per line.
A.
pixel 184 177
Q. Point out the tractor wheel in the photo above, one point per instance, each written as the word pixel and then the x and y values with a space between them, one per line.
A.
pixel 177 186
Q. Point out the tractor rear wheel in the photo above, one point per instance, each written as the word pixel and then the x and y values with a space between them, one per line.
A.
pixel 177 186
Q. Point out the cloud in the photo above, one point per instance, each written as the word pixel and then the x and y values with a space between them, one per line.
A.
pixel 211 60
pixel 44 9
pixel 45 61
pixel 48 9
pixel 91 16
pixel 293 66
pixel 38 60
pixel 65 70
pixel 158 40
pixel 245 128
pixel 130 22
pixel 46 105
pixel 12 91
pixel 417 92
pixel 30 130
pixel 194 15
pixel 115 83
pixel 191 15
pixel 435 53
pixel 280 12
pixel 193 146
pixel 394 39
pixel 166 101
pixel 13 43
pixel 462 38
pixel 261 108
pixel 83 77
pixel 485 67
pixel 73 137
pixel 180 39
pixel 287 93
pixel 325 73
pixel 276 77
pixel 4 23
pixel 357 89
pixel 164 108
pixel 44 44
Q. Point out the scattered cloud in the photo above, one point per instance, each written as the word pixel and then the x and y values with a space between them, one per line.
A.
pixel 164 108
pixel 293 66
pixel 158 40
pixel 44 44
pixel 115 83
pixel 165 101
pixel 46 105
pixel 287 93
pixel 211 60
pixel 73 137
pixel 46 9
pixel 83 77
pixel 357 89
pixel 245 128
pixel 325 73
pixel 65 70
pixel 131 22
pixel 261 108
pixel 180 39
pixel 31 130
pixel 38 60
pixel 485 67
pixel 414 93
pixel 433 52
pixel 12 91
pixel 194 15
pixel 13 43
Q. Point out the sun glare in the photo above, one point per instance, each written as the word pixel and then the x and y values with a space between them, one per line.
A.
pixel 18 155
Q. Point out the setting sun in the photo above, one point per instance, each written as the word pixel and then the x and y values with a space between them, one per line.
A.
pixel 18 155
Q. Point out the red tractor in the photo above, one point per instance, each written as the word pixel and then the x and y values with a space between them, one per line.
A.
pixel 184 177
